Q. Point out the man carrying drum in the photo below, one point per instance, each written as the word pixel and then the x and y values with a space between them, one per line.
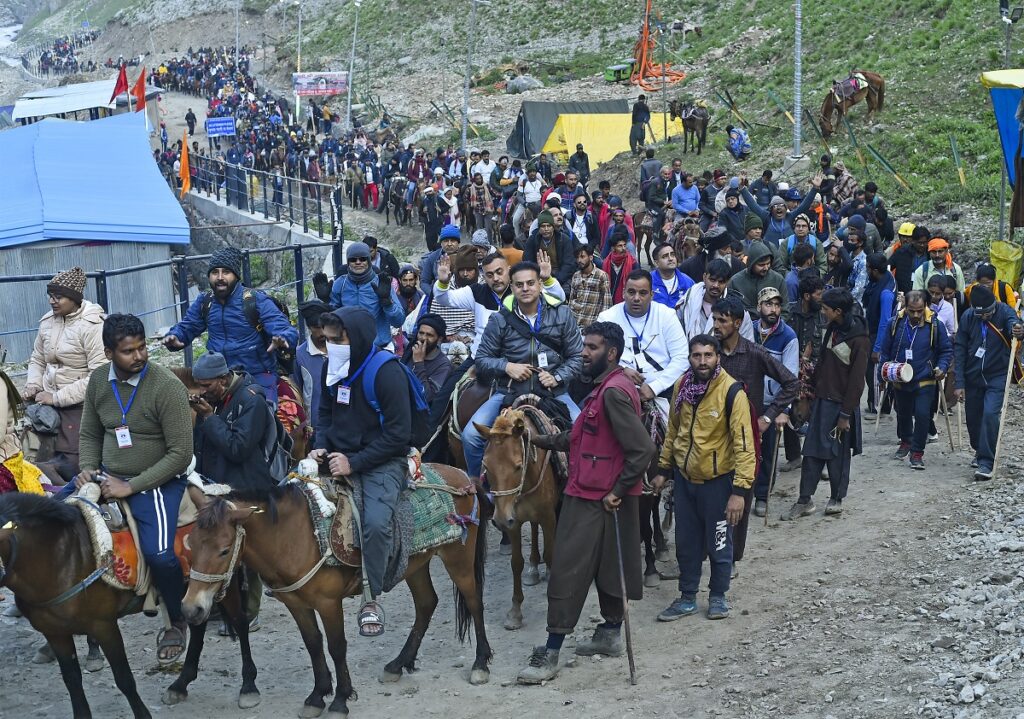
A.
pixel 916 352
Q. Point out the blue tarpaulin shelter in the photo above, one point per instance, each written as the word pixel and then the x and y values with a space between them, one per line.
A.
pixel 85 181
pixel 1006 88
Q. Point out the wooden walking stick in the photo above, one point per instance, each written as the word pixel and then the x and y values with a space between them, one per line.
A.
pixel 775 471
pixel 625 601
pixel 941 384
pixel 881 400
pixel 1002 411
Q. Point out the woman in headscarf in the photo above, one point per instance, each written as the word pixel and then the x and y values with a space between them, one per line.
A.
pixel 68 348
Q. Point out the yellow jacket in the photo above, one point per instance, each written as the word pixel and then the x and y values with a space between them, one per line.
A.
pixel 702 446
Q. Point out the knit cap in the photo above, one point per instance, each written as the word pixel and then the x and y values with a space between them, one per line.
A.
pixel 545 218
pixel 751 221
pixel 451 232
pixel 228 258
pixel 70 284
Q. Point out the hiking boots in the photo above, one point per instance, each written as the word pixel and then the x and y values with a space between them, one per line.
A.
pixel 917 460
pixel 718 608
pixel 835 506
pixel 798 510
pixel 543 666
pixel 682 607
pixel 606 641
pixel 760 507
pixel 902 451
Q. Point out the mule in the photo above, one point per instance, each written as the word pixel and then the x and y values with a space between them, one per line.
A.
pixel 696 119
pixel 47 560
pixel 652 536
pixel 280 546
pixel 647 235
pixel 844 95
pixel 395 202
pixel 525 489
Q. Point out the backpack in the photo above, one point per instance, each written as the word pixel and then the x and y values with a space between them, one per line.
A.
pixel 285 356
pixel 277 447
pixel 811 239
pixel 421 425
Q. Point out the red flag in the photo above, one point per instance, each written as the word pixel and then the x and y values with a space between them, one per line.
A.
pixel 139 91
pixel 121 85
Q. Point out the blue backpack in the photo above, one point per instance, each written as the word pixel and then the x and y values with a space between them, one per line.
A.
pixel 421 429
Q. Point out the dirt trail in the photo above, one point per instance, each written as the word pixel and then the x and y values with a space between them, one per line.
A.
pixel 830 617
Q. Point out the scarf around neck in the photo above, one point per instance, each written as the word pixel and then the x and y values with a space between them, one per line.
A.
pixel 691 391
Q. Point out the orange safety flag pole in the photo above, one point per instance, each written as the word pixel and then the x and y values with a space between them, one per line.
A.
pixel 184 173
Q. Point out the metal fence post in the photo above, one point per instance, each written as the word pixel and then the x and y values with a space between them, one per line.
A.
pixel 291 219
pixel 319 212
pixel 336 253
pixel 341 222
pixel 102 297
pixel 305 217
pixel 182 269
pixel 246 269
pixel 266 210
pixel 300 289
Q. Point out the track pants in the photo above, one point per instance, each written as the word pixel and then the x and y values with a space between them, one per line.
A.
pixel 703 531
pixel 156 514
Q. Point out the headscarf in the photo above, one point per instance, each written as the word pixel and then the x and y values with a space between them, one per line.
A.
pixel 937 243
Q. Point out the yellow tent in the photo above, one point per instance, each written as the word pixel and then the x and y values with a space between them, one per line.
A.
pixel 603 135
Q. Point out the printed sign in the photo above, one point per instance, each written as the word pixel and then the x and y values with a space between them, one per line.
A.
pixel 308 84
pixel 220 126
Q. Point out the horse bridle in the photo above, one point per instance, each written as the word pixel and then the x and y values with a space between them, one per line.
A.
pixel 225 578
pixel 528 456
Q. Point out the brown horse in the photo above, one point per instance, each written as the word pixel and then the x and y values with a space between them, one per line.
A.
pixel 300 442
pixel 280 545
pixel 696 119
pixel 844 95
pixel 525 489
pixel 47 560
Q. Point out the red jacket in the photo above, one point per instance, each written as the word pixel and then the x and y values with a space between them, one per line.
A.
pixel 595 455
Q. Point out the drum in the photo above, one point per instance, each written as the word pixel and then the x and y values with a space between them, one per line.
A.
pixel 900 372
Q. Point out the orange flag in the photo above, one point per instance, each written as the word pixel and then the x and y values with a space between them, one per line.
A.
pixel 139 91
pixel 184 173
pixel 121 85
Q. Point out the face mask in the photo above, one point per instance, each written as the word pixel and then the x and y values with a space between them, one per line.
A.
pixel 337 362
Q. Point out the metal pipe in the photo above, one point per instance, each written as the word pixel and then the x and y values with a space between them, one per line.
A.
pixel 351 68
pixel 469 65
pixel 797 79
pixel 238 6
pixel 1004 178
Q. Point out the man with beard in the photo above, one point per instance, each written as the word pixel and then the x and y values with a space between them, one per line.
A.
pixel 426 360
pixel 669 283
pixel 311 355
pixel 778 218
pixel 242 324
pixel 834 431
pixel 771 387
pixel 590 291
pixel 779 339
pixel 234 434
pixel 588 541
pixel 928 353
pixel 409 292
pixel 581 224
pixel 450 240
pixel 580 164
pixel 459 321
pixel 715 244
pixel 365 444
pixel 531 345
pixel 557 244
pixel 694 312
pixel 807 322
pixel 710 456
pixel 362 287
pixel 758 275
pixel 941 264
pixel 801 236
pixel 910 256
pixel 484 299
pixel 136 442
pixel 879 301
pixel 655 353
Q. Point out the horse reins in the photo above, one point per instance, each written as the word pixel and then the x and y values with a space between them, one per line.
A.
pixel 527 457
pixel 64 596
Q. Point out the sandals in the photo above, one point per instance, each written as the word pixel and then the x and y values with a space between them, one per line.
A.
pixel 170 638
pixel 371 620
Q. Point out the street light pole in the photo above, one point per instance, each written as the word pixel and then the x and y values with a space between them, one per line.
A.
pixel 797 80
pixel 238 6
pixel 469 70
pixel 352 66
pixel 298 60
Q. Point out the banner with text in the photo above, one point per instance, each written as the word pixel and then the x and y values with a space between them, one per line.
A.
pixel 320 83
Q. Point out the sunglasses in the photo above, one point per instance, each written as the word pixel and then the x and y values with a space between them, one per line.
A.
pixel 354 260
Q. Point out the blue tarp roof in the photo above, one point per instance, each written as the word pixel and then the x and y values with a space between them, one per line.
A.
pixel 89 181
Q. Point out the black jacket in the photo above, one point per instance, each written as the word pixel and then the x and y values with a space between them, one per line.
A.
pixel 565 249
pixel 903 265
pixel 354 428
pixel 229 443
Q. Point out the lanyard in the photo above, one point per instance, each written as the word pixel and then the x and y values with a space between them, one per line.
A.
pixel 497 299
pixel 906 332
pixel 639 335
pixel 984 334
pixel 535 326
pixel 117 395
pixel 360 370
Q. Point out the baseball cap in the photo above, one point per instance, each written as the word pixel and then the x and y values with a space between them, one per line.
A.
pixel 767 294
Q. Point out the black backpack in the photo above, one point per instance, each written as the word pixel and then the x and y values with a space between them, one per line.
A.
pixel 285 356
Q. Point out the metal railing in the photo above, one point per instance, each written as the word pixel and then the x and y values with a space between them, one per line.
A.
pixel 278 197
pixel 179 266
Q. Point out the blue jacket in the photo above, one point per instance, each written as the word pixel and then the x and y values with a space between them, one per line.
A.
pixel 230 333
pixel 989 369
pixel 348 293
pixel 684 200
pixel 661 293
pixel 309 382
pixel 929 344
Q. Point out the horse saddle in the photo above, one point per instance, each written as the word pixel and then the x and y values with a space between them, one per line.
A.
pixel 342 535
pixel 116 542
pixel 849 87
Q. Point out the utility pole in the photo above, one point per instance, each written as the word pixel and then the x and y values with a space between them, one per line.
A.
pixel 469 67
pixel 352 66
pixel 797 80
pixel 238 6
pixel 664 86
pixel 298 60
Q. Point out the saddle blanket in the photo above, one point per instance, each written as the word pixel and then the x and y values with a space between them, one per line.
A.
pixel 850 86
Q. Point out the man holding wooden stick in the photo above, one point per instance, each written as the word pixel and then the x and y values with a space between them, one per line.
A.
pixel 982 352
